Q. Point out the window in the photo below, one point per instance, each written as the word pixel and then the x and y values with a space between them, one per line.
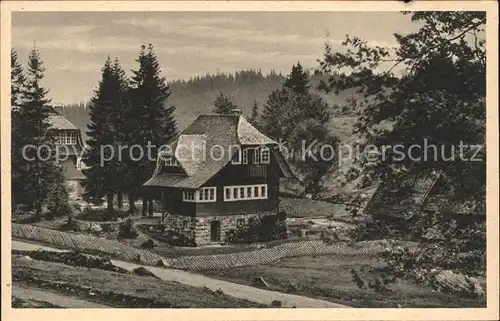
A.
pixel 265 155
pixel 237 157
pixel 245 156
pixel 66 138
pixel 203 195
pixel 206 194
pixel 256 156
pixel 240 222
pixel 171 161
pixel 245 192
pixel 188 196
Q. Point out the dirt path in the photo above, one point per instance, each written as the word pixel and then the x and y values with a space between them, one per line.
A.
pixel 31 294
pixel 232 289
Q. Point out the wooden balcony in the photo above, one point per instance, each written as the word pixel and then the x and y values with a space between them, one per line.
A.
pixel 259 170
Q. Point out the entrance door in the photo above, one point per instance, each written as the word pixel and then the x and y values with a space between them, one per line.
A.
pixel 215 231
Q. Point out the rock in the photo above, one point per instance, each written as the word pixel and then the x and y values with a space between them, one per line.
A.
pixel 26 257
pixel 142 271
pixel 95 228
pixel 452 282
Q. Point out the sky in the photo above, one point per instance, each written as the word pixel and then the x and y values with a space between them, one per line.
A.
pixel 74 45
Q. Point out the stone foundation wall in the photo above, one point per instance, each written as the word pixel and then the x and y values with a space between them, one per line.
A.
pixel 227 223
pixel 184 225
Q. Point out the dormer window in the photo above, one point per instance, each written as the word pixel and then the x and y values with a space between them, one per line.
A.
pixel 237 157
pixel 66 138
pixel 171 161
pixel 245 156
pixel 265 156
pixel 262 155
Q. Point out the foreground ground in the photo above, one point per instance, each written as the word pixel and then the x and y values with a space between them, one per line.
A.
pixel 175 289
pixel 329 278
pixel 61 285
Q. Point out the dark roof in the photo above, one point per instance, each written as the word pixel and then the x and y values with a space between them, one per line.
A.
pixel 428 191
pixel 402 198
pixel 194 149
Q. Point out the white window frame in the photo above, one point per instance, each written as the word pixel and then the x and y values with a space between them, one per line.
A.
pixel 171 161
pixel 265 151
pixel 244 158
pixel 256 156
pixel 240 192
pixel 202 195
pixel 189 196
pixel 237 157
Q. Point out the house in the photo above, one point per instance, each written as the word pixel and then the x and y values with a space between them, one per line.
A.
pixel 427 193
pixel 69 144
pixel 220 173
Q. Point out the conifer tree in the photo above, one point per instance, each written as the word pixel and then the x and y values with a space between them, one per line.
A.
pixel 222 104
pixel 255 112
pixel 17 82
pixel 297 80
pixel 33 166
pixel 103 175
pixel 150 120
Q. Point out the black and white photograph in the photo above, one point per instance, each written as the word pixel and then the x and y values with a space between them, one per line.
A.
pixel 277 159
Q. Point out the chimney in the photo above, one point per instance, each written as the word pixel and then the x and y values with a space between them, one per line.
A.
pixel 236 112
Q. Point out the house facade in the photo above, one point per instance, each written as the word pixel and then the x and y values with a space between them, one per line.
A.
pixel 69 143
pixel 219 174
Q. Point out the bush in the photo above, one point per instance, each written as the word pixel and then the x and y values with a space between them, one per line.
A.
pixel 149 244
pixel 126 230
pixel 57 201
pixel 263 229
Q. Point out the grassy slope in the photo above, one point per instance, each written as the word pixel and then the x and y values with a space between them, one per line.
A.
pixel 169 293
pixel 328 278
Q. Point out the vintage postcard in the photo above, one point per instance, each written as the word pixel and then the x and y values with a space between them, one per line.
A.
pixel 249 160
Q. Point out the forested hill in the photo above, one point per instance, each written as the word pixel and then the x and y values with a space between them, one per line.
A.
pixel 196 96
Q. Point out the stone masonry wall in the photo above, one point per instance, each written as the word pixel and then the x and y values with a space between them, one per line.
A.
pixel 184 225
pixel 227 223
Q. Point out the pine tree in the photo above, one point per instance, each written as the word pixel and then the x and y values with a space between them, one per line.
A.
pixel 222 104
pixel 255 113
pixel 103 175
pixel 150 120
pixel 297 80
pixel 17 83
pixel 34 169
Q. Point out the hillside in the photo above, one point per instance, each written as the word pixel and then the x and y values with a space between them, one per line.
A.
pixel 196 96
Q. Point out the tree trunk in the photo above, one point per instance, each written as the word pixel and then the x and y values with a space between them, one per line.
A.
pixel 131 203
pixel 110 202
pixel 38 211
pixel 144 207
pixel 119 197
pixel 150 207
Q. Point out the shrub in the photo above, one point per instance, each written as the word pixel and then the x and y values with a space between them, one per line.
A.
pixel 57 201
pixel 126 230
pixel 263 229
pixel 149 244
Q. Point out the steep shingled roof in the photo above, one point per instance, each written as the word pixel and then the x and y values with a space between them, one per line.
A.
pixel 194 149
pixel 60 123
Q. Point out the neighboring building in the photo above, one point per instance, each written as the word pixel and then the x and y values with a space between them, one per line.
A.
pixel 68 140
pixel 423 194
pixel 221 172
